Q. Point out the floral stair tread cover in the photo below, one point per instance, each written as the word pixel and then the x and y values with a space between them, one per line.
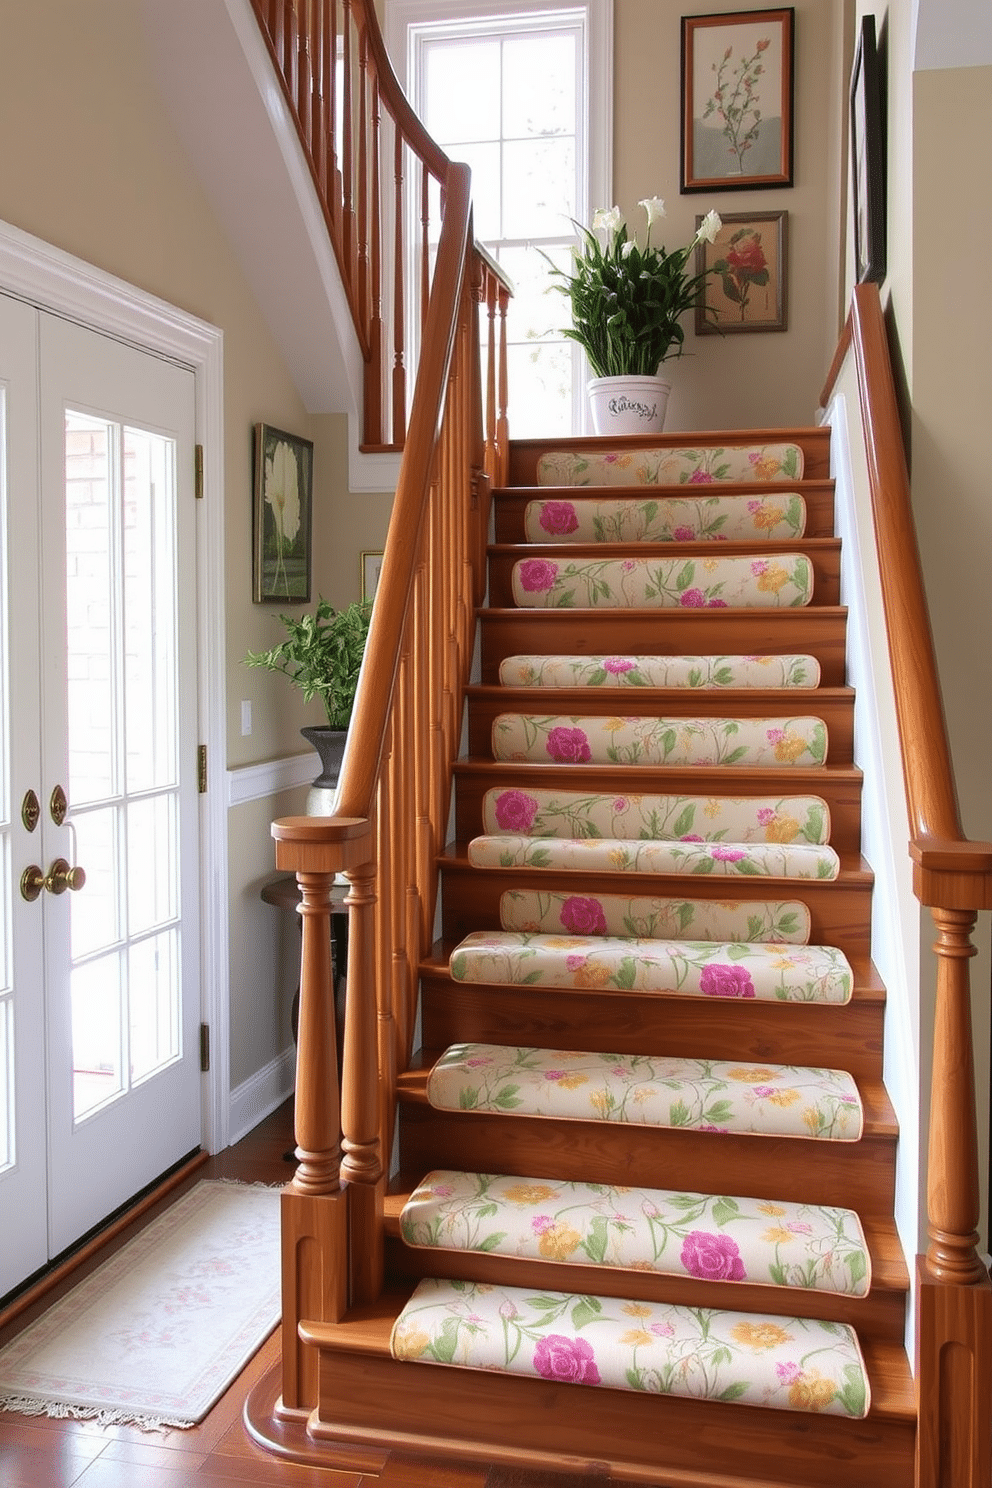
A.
pixel 738 920
pixel 702 672
pixel 761 743
pixel 697 518
pixel 683 968
pixel 621 855
pixel 712 1095
pixel 719 1237
pixel 659 1348
pixel 784 581
pixel 543 812
pixel 676 466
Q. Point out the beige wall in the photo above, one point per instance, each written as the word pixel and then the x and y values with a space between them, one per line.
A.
pixel 737 381
pixel 91 164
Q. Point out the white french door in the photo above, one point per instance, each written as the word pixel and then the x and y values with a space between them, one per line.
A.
pixel 99 997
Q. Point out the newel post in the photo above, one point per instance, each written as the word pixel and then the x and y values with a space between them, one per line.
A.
pixel 954 1294
pixel 314 1207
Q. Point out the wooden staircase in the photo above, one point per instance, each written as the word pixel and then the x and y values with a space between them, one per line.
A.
pixel 367 1396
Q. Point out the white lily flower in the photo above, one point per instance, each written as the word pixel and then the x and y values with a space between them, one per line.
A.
pixel 606 217
pixel 654 206
pixel 626 249
pixel 709 227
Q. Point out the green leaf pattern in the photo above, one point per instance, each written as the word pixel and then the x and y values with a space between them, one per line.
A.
pixel 660 671
pixel 671 467
pixel 684 968
pixel 614 855
pixel 753 920
pixel 642 1090
pixel 591 814
pixel 775 1242
pixel 763 743
pixel 739 518
pixel 696 1353
pixel 784 580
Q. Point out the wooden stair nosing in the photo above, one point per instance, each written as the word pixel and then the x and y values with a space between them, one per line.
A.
pixel 813 440
pixel 822 552
pixel 510 502
pixel 819 631
pixel 366 1330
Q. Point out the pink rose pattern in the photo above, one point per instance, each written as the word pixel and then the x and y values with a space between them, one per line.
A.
pixel 726 981
pixel 672 467
pixel 537 574
pixel 515 810
pixel 713 1257
pixel 569 746
pixel 680 519
pixel 786 671
pixel 663 583
pixel 570 1360
pixel 558 518
pixel 583 916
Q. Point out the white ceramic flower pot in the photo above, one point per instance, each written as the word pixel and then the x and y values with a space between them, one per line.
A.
pixel 628 405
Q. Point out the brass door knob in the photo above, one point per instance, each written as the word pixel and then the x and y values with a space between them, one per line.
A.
pixel 32 883
pixel 62 876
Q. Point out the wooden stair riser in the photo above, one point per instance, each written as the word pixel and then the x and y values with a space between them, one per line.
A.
pixel 857 1174
pixel 834 705
pixel 823 553
pixel 881 1315
pixel 840 911
pixel 647 1439
pixel 814 443
pixel 839 787
pixel 847 1038
pixel 510 503
pixel 817 630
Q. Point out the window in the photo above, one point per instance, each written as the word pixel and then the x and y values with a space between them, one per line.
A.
pixel 514 94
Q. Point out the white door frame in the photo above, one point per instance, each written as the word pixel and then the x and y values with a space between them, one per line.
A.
pixel 52 280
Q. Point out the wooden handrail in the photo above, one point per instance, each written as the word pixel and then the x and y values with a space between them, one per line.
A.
pixel 953 877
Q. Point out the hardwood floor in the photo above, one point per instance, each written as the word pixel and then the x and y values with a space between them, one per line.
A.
pixel 36 1452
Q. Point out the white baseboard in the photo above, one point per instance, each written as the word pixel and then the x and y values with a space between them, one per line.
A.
pixel 261 1094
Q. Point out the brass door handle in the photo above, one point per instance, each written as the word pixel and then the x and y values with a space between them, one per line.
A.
pixel 60 876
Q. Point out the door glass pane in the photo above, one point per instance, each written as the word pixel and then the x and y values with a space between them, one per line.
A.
pixel 123 754
pixel 97 1054
pixel 90 553
pixel 6 987
pixel 6 1084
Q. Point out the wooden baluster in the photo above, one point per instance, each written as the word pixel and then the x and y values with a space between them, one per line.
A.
pixel 502 423
pixel 314 1212
pixel 954 1296
pixel 399 298
pixel 362 204
pixel 425 246
pixel 290 51
pixel 304 69
pixel 318 128
pixel 349 250
pixel 361 1167
pixel 374 367
pixel 334 181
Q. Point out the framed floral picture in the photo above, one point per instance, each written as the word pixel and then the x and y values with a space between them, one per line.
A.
pixel 371 567
pixel 282 512
pixel 746 267
pixel 737 84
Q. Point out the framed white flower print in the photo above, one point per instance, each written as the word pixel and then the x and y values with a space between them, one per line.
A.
pixel 282 517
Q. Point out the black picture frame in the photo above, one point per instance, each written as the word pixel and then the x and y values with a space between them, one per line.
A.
pixel 282 517
pixel 748 57
pixel 868 158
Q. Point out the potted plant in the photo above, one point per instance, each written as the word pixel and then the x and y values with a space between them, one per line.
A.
pixel 627 304
pixel 322 655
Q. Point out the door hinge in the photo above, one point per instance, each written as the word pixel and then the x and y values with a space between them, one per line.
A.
pixel 201 769
pixel 204 1047
pixel 198 471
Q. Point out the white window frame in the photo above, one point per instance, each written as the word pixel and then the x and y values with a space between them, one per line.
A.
pixel 404 18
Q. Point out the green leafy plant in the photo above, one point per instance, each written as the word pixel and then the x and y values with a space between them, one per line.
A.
pixel 322 655
pixel 627 301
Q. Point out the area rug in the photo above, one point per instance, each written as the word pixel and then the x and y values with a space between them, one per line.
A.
pixel 156 1334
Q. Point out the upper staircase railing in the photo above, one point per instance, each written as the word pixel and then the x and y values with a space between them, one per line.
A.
pixel 380 180
pixel 953 877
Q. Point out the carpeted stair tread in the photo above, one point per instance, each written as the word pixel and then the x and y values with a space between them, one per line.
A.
pixel 662 1348
pixel 762 743
pixel 672 465
pixel 700 672
pixel 660 1091
pixel 750 921
pixel 748 581
pixel 683 968
pixel 639 816
pixel 711 1237
pixel 624 855
pixel 684 518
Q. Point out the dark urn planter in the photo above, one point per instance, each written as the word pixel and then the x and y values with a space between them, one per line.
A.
pixel 329 744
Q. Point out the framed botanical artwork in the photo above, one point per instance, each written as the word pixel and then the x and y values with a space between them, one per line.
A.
pixel 868 158
pixel 737 83
pixel 282 513
pixel 747 264
pixel 371 566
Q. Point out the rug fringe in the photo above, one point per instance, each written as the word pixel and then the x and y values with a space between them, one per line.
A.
pixel 58 1410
